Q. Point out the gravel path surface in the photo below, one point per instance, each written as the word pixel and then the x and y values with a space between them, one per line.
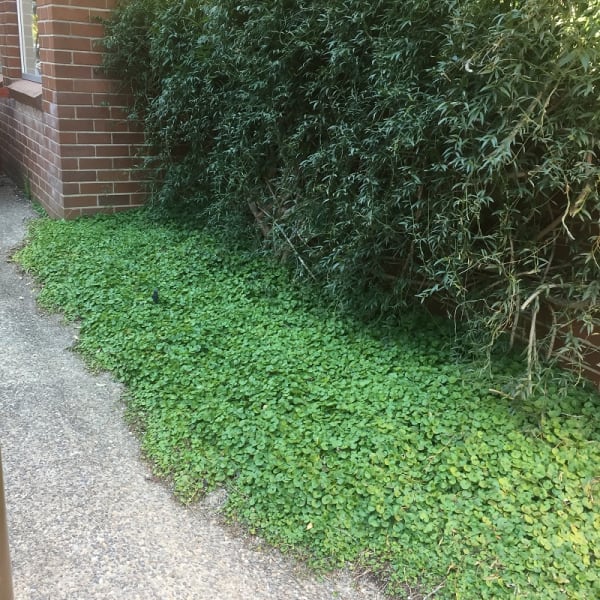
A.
pixel 86 519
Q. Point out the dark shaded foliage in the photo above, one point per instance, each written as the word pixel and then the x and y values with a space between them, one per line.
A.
pixel 398 151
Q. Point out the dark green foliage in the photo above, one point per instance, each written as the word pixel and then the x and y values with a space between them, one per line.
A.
pixel 398 151
pixel 353 443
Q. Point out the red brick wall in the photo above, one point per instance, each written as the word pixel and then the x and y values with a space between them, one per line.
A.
pixel 24 150
pixel 72 146
pixel 590 342
pixel 10 57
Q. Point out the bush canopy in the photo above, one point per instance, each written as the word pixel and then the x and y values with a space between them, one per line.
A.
pixel 399 152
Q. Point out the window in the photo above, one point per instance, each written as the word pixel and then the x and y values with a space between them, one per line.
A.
pixel 28 38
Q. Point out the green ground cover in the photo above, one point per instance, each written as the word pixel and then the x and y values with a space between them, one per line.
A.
pixel 375 444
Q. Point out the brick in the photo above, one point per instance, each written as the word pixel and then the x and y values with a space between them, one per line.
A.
pixel 42 12
pixel 91 30
pixel 60 86
pixel 59 57
pixel 98 13
pixel 87 58
pixel 117 112
pixel 96 188
pixel 79 146
pixel 112 150
pixel 72 98
pixel 80 201
pixel 52 121
pixel 138 199
pixel 93 112
pixel 67 42
pixel 113 175
pixel 76 124
pixel 126 138
pixel 70 72
pixel 111 125
pixel 68 13
pixel 11 48
pixel 129 187
pixel 77 149
pixel 70 188
pixel 55 31
pixel 105 4
pixel 95 163
pixel 94 86
pixel 113 200
pixel 79 176
pixel 70 164
pixel 128 162
pixel 72 213
pixel 93 138
pixel 110 99
pixel 64 137
pixel 66 112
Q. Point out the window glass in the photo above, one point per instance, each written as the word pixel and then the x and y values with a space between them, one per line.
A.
pixel 29 41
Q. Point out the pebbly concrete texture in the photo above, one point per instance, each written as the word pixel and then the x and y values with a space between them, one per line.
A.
pixel 86 519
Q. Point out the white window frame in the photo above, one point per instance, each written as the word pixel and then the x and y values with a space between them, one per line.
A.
pixel 29 53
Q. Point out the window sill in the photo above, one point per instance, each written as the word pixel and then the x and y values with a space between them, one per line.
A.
pixel 26 92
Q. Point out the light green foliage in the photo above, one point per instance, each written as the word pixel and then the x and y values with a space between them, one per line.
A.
pixel 369 444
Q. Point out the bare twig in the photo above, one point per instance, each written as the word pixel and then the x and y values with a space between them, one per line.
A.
pixel 517 302
pixel 531 347
pixel 257 215
pixel 536 294
pixel 434 591
pixel 552 334
pixel 283 233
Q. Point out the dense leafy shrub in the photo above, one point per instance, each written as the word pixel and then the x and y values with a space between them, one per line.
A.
pixel 357 443
pixel 397 151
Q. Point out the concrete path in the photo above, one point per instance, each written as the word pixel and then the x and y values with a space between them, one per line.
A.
pixel 86 520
